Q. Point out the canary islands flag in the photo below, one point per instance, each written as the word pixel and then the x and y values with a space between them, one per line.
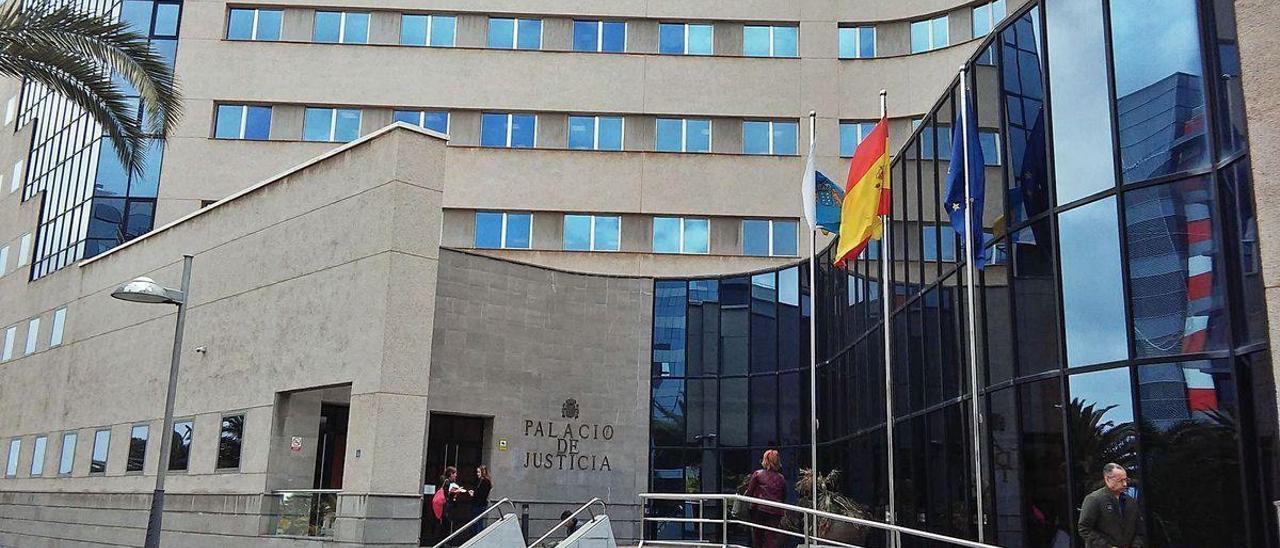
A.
pixel 866 194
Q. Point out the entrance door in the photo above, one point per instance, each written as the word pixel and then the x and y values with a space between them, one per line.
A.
pixel 458 441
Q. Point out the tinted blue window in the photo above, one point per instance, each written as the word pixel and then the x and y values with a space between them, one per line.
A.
pixel 697 136
pixel 523 127
pixel 137 15
pixel 785 238
pixel 112 180
pixel 586 35
pixel 756 41
pixel 1159 88
pixel 413 30
pixel 613 36
pixel 518 229
pixel 317 124
pixel 145 184
pixel 851 134
pixel 784 137
pixel 941 33
pixel 166 49
pixel 671 38
pixel 670 132
pixel 443 30
pixel 577 232
pixel 502 33
pixel 784 41
pixel 327 27
pixel 666 235
pixel 981 20
pixel 931 243
pixel 1083 156
pixel 755 237
pixel 920 37
pixel 867 42
pixel 990 147
pixel 488 230
pixel 357 29
pixel 607 231
pixel 755 137
pixel 257 123
pixel 699 40
pixel 582 131
pixel 347 126
pixel 530 34
pixel 493 130
pixel 609 133
pixel 436 120
pixel 227 125
pixel 848 42
pixel 166 23
pixel 1092 284
pixel 240 24
pixel 696 235
pixel 269 24
pixel 407 116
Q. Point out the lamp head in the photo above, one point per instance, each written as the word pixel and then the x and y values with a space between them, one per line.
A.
pixel 146 290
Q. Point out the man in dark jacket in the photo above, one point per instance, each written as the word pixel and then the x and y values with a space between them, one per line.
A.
pixel 1109 518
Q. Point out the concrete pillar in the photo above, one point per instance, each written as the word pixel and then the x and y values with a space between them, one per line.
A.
pixel 297 415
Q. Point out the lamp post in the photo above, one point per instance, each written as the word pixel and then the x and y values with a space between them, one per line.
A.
pixel 146 290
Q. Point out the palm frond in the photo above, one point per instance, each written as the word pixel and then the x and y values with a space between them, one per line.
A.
pixel 75 53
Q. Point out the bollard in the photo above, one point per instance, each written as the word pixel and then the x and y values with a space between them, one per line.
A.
pixel 524 521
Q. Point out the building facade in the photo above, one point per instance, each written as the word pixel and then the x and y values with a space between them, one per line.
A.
pixel 563 240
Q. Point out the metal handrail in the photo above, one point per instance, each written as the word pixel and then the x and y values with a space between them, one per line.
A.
pixel 478 517
pixel 304 491
pixel 727 500
pixel 565 521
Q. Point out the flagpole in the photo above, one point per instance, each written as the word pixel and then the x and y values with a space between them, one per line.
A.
pixel 973 337
pixel 885 292
pixel 813 349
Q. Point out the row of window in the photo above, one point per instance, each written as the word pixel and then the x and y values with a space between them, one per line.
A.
pixel 512 230
pixel 349 27
pixel 229 445
pixel 33 335
pixel 23 253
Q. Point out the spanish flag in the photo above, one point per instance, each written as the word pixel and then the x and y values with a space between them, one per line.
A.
pixel 866 194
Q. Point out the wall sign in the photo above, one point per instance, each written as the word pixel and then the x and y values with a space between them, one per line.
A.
pixel 295 444
pixel 577 444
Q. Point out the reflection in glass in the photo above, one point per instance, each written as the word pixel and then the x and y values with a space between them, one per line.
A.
pixel 180 447
pixel 1092 284
pixel 67 458
pixel 1083 155
pixel 1159 87
pixel 1100 415
pixel 137 448
pixel 733 412
pixel 764 324
pixel 668 406
pixel 1237 187
pixel 1023 85
pixel 1035 311
pixel 1175 269
pixel 703 409
pixel 734 321
pixel 229 442
pixel 101 443
pixel 669 328
pixel 764 410
pixel 1229 101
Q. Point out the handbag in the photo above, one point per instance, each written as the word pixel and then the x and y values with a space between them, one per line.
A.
pixel 741 507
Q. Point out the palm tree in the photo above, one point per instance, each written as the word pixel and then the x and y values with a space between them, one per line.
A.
pixel 75 54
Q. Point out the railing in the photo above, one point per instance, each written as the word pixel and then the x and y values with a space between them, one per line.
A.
pixel 304 512
pixel 477 519
pixel 725 520
pixel 574 515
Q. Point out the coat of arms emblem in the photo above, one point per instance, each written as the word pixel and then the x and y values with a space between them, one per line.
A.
pixel 570 409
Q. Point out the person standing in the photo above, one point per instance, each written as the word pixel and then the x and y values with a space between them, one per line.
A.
pixel 766 483
pixel 1109 517
pixel 480 499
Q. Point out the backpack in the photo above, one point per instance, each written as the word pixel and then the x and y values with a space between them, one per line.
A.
pixel 437 504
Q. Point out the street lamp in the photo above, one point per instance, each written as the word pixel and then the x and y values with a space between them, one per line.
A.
pixel 146 290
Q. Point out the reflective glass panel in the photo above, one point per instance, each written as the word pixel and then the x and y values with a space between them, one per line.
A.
pixel 347 126
pixel 785 238
pixel 866 42
pixel 443 30
pixel 1230 91
pixel 413 30
pixel 670 134
pixel 582 132
pixel 699 40
pixel 523 130
pixel 920 36
pixel 697 136
pixel 529 34
pixel 1083 156
pixel 941 33
pixel 502 33
pixel 166 23
pixel 848 42
pixel 436 121
pixel 755 237
pixel 1092 284
pixel 356 29
pixel 607 233
pixel 666 235
pixel 137 15
pixel 37 456
pixel 488 230
pixel 755 137
pixel 756 41
pixel 493 130
pixel 137 448
pixel 1101 410
pixel 695 235
pixel 671 38
pixel 784 138
pixel 784 41
pixel 227 125
pixel 257 124
pixel 609 135
pixel 613 36
pixel 101 443
pixel 269 23
pixel 67 458
pixel 180 447
pixel 586 35
pixel 229 442
pixel 519 229
pixel 15 450
pixel 317 124
pixel 764 410
pixel 733 412
pixel 327 26
pixel 1159 87
pixel 577 232
pixel 239 24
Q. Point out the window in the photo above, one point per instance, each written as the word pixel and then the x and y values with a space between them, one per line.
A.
pixel 180 447
pixel 766 238
pixel 508 130
pixel 4 259
pixel 515 33
pixel 428 30
pixel 603 36
pixel 331 124
pixel 986 16
pixel 431 119
pixel 769 41
pixel 769 137
pixel 229 442
pixel 15 449
pixel 254 24
pixel 33 330
pixel 101 444
pixel 595 132
pixel 929 34
pixel 243 122
pixel 9 335
pixel 37 456
pixel 67 458
pixel 137 448
pixel 11 110
pixel 341 27
pixel 591 232
pixel 930 247
pixel 16 182
pixel 59 322
pixel 990 142
pixel 852 134
pixel 683 135
pixel 499 230
pixel 680 235
pixel 684 39
pixel 24 249
pixel 857 42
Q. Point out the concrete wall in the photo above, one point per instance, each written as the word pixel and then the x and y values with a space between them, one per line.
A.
pixel 514 342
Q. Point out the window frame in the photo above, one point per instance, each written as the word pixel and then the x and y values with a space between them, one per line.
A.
pixel 502 234
pixel 992 21
pixel 595 134
pixel 681 248
pixel 342 26
pixel 591 236
pixel 244 121
pixel 509 126
pixel 24 249
pixel 684 135
pixel 333 123
pixel 10 337
pixel 772 148
pixel 431 22
pixel 772 41
pixel 221 431
pixel 106 451
pixel 57 327
pixel 685 28
pixel 15 456
pixel 4 259
pixel 146 440
pixel 39 449
pixel 173 442
pixel 33 336
pixel 857 41
pixel 515 33
pixel 933 38
pixel 62 453
pixel 771 247
pixel 253 31
pixel 599 24
pixel 422 117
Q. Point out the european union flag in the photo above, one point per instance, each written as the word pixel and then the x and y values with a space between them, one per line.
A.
pixel 829 196
pixel 975 179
